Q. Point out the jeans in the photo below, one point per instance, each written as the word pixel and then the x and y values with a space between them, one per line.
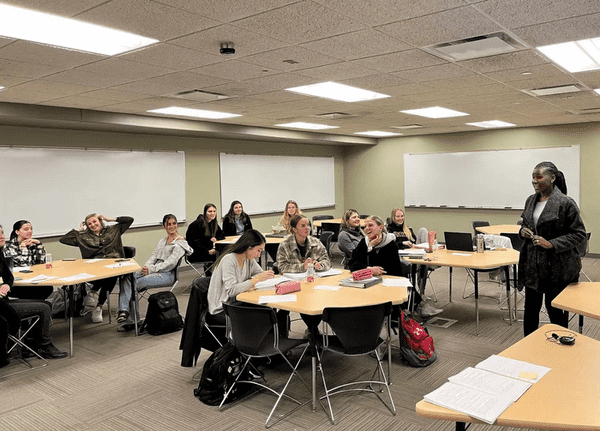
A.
pixel 142 283
pixel 26 308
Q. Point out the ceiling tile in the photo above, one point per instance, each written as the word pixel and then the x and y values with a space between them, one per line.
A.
pixel 188 80
pixel 234 70
pixel 459 23
pixel 76 76
pixel 404 60
pixel 25 69
pixel 434 73
pixel 360 44
pixel 336 72
pixel 543 82
pixel 511 60
pixel 375 82
pixel 566 30
pixel 66 8
pixel 9 81
pixel 461 82
pixel 300 22
pixel 124 68
pixel 57 88
pixel 281 81
pixel 108 94
pixel 227 10
pixel 147 18
pixel 525 72
pixel 48 55
pixel 80 102
pixel 175 56
pixel 290 59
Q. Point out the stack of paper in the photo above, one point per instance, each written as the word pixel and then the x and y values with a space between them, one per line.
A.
pixel 484 392
pixel 270 283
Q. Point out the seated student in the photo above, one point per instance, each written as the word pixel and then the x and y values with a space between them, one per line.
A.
pixel 299 249
pixel 158 271
pixel 26 251
pixel 350 233
pixel 235 271
pixel 236 222
pixel 9 324
pixel 95 240
pixel 26 308
pixel 291 209
pixel 202 234
pixel 405 236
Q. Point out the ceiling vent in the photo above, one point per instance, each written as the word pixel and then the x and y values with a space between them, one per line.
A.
pixel 552 91
pixel 200 96
pixel 587 111
pixel 334 116
pixel 408 127
pixel 476 47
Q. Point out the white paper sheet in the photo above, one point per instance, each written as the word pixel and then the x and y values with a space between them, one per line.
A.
pixel 93 260
pixel 396 282
pixel 298 276
pixel 325 287
pixel 41 278
pixel 21 268
pixel 330 271
pixel 462 254
pixel 270 283
pixel 512 368
pixel 276 298
pixel 76 277
pixel 490 383
pixel 120 264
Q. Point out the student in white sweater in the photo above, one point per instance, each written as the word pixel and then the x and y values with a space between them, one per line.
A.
pixel 234 272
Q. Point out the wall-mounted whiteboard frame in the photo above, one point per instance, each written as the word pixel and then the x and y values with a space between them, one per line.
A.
pixel 265 183
pixel 56 188
pixel 497 179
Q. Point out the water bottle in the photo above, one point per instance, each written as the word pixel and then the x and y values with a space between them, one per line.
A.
pixel 479 243
pixel 310 273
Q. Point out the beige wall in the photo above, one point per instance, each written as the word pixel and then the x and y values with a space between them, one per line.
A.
pixel 374 176
pixel 202 174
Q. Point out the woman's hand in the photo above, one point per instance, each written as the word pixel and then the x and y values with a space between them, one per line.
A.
pixel 212 251
pixel 265 275
pixel 81 226
pixel 213 239
pixel 145 270
pixel 538 241
pixel 377 270
pixel 4 289
pixel 28 242
pixel 375 240
pixel 526 232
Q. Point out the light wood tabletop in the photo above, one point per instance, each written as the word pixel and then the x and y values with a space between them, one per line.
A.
pixel 582 299
pixel 318 223
pixel 64 273
pixel 564 399
pixel 489 259
pixel 499 229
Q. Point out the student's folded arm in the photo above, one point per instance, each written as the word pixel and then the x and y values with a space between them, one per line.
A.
pixel 359 257
pixel 322 257
pixel 124 223
pixel 70 238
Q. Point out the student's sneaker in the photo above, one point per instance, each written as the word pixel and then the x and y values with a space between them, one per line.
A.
pixel 429 310
pixel 97 315
pixel 50 351
pixel 91 299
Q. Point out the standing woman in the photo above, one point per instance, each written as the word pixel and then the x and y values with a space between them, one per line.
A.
pixel 26 251
pixel 202 234
pixel 350 233
pixel 236 222
pixel 291 209
pixel 549 260
pixel 405 236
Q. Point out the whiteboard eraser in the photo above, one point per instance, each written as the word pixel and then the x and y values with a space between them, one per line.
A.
pixel 507 208
pixel 461 206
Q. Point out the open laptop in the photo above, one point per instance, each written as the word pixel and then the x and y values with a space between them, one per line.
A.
pixel 459 241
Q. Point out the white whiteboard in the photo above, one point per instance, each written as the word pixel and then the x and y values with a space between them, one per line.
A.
pixel 265 183
pixel 56 188
pixel 483 179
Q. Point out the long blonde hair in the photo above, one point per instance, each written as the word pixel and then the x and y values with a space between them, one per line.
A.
pixel 405 227
pixel 285 219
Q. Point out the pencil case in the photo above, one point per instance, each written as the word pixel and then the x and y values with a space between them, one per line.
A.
pixel 287 287
pixel 362 274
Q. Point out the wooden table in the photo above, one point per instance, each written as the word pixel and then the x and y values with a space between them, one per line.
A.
pixel 499 229
pixel 475 261
pixel 311 303
pixel 65 268
pixel 580 298
pixel 317 223
pixel 263 256
pixel 564 399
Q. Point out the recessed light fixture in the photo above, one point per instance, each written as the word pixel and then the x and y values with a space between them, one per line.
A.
pixel 548 91
pixel 597 90
pixel 407 127
pixel 196 113
pixel 579 56
pixel 19 23
pixel 309 126
pixel 435 112
pixel 492 124
pixel 378 134
pixel 340 92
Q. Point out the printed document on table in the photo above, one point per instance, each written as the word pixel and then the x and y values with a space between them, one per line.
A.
pixel 490 383
pixel 477 404
pixel 325 287
pixel 270 283
pixel 513 368
pixel 330 271
pixel 120 264
pixel 298 276
pixel 40 278
pixel 94 260
pixel 20 268
pixel 396 282
pixel 276 298
pixel 77 277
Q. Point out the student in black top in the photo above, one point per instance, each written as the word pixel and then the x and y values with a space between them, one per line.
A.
pixel 236 222
pixel 405 236
pixel 202 234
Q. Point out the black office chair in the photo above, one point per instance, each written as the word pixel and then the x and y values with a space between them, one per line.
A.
pixel 516 241
pixel 331 227
pixel 357 332
pixel 364 216
pixel 479 223
pixel 583 249
pixel 255 333
pixel 320 217
pixel 326 240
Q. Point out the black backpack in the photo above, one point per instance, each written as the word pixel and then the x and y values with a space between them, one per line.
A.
pixel 163 315
pixel 218 374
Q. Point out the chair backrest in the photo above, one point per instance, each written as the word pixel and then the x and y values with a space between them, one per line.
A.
pixel 176 270
pixel 421 235
pixel 364 216
pixel 322 217
pixel 129 251
pixel 479 223
pixel 357 328
pixel 584 246
pixel 331 227
pixel 251 327
pixel 326 239
pixel 516 241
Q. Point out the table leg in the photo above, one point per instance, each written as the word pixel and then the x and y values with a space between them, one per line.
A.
pixel 450 285
pixel 581 323
pixel 71 312
pixel 476 284
pixel 312 322
pixel 507 274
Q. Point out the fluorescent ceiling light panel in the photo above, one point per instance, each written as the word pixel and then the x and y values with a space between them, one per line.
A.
pixel 339 92
pixel 378 134
pixel 435 112
pixel 597 90
pixel 196 113
pixel 491 124
pixel 309 126
pixel 24 24
pixel 580 56
pixel 555 90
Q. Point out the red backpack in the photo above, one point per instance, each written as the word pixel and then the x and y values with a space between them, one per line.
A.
pixel 416 345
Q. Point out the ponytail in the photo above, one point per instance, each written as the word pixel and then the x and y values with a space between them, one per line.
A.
pixel 559 177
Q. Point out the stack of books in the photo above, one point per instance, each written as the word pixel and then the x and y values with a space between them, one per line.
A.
pixel 362 284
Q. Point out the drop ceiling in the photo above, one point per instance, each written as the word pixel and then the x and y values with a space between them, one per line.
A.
pixel 378 45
